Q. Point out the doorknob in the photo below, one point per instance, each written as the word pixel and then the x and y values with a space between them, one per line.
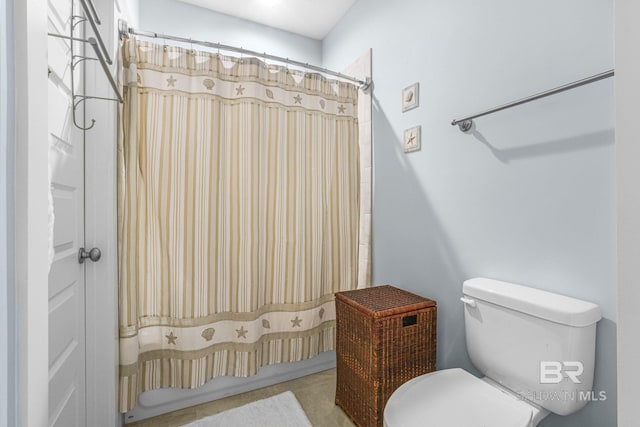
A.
pixel 94 255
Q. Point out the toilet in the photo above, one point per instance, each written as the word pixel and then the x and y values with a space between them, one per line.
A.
pixel 535 348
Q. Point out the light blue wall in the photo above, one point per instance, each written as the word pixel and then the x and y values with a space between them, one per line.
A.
pixel 134 12
pixel 180 19
pixel 529 197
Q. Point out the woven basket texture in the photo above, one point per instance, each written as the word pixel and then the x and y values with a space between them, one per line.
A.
pixel 385 337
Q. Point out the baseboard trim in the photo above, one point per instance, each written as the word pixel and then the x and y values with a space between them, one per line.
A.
pixel 158 402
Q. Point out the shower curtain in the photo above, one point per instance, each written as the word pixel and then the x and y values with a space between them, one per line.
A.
pixel 239 215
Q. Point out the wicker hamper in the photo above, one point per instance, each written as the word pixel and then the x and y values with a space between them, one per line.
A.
pixel 385 337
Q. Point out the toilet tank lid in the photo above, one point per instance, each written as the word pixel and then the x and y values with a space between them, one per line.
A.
pixel 535 302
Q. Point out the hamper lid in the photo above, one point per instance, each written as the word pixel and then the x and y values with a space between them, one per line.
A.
pixel 455 398
pixel 384 300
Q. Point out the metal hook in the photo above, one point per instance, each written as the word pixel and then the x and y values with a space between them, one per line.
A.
pixel 82 58
pixel 93 122
pixel 75 106
pixel 74 23
pixel 75 20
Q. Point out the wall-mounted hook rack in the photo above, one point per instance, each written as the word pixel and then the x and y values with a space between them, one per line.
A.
pixel 82 58
pixel 101 55
pixel 94 12
pixel 92 21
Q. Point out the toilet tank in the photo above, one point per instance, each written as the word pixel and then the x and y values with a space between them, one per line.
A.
pixel 538 344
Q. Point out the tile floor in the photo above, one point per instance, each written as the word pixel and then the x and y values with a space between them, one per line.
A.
pixel 315 393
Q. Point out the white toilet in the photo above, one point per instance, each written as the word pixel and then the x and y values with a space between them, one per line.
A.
pixel 522 339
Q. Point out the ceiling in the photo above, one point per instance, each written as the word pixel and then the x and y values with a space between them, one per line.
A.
pixel 310 18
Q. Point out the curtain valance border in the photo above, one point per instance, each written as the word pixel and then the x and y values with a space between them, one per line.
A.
pixel 176 59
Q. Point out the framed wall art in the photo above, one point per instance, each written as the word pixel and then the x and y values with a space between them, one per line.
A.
pixel 410 97
pixel 411 139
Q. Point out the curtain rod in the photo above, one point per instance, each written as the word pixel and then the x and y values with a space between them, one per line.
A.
pixel 466 123
pixel 125 31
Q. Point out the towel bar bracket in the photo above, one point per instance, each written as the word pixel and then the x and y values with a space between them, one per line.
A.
pixel 464 125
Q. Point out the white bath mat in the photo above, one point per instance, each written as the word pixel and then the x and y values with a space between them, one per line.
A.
pixel 282 410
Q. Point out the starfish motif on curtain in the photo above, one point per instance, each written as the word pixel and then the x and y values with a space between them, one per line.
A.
pixel 298 99
pixel 296 322
pixel 240 90
pixel 171 338
pixel 341 109
pixel 242 332
pixel 171 81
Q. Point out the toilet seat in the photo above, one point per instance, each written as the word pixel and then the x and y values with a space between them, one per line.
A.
pixel 456 398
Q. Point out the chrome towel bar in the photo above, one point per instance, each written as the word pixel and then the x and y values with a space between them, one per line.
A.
pixel 465 123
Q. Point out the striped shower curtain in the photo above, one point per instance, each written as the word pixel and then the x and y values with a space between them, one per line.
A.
pixel 238 215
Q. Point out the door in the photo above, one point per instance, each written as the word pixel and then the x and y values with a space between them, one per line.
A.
pixel 67 405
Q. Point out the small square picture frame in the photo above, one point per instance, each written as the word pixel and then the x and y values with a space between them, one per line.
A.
pixel 410 95
pixel 411 139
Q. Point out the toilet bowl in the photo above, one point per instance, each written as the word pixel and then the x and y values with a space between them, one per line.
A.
pixel 510 329
pixel 454 397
